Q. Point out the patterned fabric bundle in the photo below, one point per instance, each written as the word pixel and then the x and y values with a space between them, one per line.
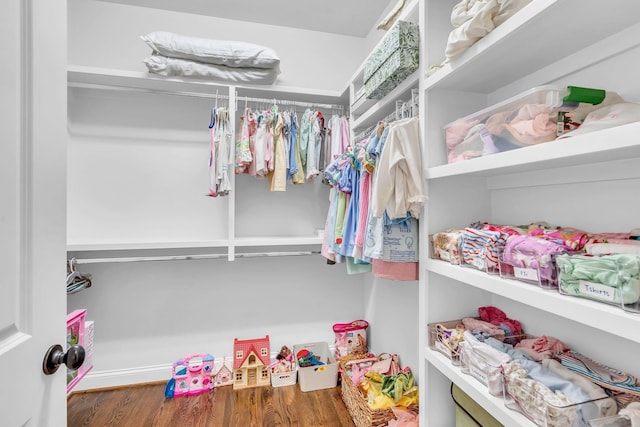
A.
pixel 445 246
pixel 605 376
pixel 481 248
pixel 543 406
pixel 532 252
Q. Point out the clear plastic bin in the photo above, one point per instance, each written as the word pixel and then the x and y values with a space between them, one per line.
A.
pixel 612 279
pixel 445 246
pixel 527 119
pixel 481 249
pixel 553 409
pixel 486 371
pixel 530 259
pixel 445 337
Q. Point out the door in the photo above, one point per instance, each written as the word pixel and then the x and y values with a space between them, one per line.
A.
pixel 32 209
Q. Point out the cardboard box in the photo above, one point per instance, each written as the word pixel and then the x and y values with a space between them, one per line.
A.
pixel 317 377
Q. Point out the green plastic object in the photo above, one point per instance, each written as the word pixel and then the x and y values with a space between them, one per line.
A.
pixel 585 94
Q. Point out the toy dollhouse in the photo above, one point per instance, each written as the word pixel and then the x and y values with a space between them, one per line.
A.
pixel 191 375
pixel 223 372
pixel 251 363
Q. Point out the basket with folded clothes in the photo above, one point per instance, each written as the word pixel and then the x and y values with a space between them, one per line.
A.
pixel 533 117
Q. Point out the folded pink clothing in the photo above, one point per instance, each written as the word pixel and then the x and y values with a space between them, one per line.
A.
pixel 544 343
pixel 497 317
pixel 540 125
pixel 477 325
pixel 531 124
pixel 456 132
pixel 402 271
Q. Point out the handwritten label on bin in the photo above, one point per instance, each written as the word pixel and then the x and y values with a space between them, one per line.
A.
pixel 597 290
pixel 525 273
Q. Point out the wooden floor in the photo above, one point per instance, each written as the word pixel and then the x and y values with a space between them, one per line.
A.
pixel 145 405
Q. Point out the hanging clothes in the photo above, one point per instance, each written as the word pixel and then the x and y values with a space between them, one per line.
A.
pixel 278 177
pixel 353 233
pixel 220 153
pixel 398 183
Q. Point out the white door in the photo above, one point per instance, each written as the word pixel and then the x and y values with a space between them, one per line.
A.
pixel 32 209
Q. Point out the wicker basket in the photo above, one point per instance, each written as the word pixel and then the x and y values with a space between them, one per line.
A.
pixel 358 408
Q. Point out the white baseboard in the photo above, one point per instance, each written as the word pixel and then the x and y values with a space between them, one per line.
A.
pixel 124 377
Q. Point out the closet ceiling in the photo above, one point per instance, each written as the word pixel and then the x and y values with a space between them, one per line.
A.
pixel 347 17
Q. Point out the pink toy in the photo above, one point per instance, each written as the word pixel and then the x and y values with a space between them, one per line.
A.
pixel 75 336
pixel 350 338
pixel 191 375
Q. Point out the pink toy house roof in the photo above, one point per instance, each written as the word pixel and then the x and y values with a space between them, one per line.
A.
pixel 251 346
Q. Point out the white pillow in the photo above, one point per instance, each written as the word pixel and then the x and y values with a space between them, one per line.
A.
pixel 220 52
pixel 174 67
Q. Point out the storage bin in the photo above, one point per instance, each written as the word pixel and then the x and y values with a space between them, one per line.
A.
pixel 280 379
pixel 469 413
pixel 393 60
pixel 319 376
pixel 482 368
pixel 361 413
pixel 445 337
pixel 554 409
pixel 530 259
pixel 445 246
pixel 481 249
pixel 612 279
pixel 89 330
pixel 527 119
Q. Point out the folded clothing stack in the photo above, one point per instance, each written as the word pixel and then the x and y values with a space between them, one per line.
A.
pixel 225 60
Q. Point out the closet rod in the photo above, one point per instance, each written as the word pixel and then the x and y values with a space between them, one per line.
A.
pixel 190 257
pixel 286 102
pixel 110 86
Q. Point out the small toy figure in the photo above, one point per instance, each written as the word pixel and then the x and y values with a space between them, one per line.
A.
pixel 284 361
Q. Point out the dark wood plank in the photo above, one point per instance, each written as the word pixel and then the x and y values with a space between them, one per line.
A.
pixel 145 405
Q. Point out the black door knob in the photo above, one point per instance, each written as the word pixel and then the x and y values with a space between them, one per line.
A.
pixel 55 356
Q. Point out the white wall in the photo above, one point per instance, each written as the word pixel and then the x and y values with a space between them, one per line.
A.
pixel 138 173
pixel 107 35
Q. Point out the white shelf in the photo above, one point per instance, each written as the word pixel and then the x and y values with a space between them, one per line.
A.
pixel 237 242
pixel 366 112
pixel 82 76
pixel 606 145
pixel 477 391
pixel 277 241
pixel 132 246
pixel 559 28
pixel 547 41
pixel 387 105
pixel 587 312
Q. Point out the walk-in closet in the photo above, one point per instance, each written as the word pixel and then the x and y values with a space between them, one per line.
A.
pixel 502 120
